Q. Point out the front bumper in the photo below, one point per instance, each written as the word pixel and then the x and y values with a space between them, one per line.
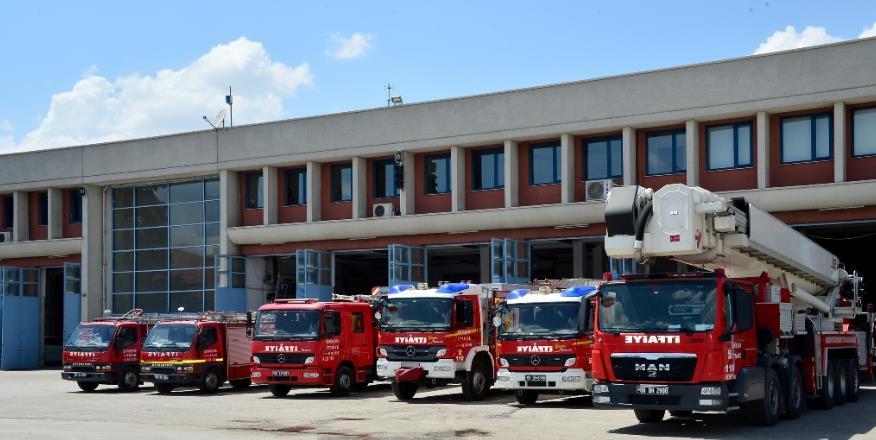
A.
pixel 444 369
pixel 106 377
pixel 301 377
pixel 180 379
pixel 680 397
pixel 573 379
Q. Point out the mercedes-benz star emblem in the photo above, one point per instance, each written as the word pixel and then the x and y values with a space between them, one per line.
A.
pixel 535 360
pixel 281 358
pixel 410 351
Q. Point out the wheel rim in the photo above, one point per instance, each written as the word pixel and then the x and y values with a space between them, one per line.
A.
pixel 344 381
pixel 131 379
pixel 843 384
pixel 774 398
pixel 478 381
pixel 212 380
pixel 797 394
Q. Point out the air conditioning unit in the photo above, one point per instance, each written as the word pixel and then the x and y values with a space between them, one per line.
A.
pixel 5 237
pixel 597 190
pixel 382 210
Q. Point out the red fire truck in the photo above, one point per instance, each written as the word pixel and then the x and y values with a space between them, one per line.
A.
pixel 202 350
pixel 777 322
pixel 106 351
pixel 305 343
pixel 544 342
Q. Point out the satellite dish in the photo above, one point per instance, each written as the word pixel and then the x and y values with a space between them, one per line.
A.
pixel 219 118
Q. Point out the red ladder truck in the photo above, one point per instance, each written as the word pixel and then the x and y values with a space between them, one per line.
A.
pixel 777 320
pixel 107 351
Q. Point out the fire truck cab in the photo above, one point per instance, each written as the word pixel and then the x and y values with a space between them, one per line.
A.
pixel 306 343
pixel 202 350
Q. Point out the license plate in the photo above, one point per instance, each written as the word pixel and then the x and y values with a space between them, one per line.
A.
pixel 161 377
pixel 536 378
pixel 80 375
pixel 280 374
pixel 653 390
pixel 410 364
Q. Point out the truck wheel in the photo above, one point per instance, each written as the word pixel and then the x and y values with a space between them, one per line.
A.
pixel 241 384
pixel 681 414
pixel 404 390
pixel 842 383
pixel 854 381
pixel 211 381
pixel 343 382
pixel 129 380
pixel 164 388
pixel 474 387
pixel 649 415
pixel 87 386
pixel 795 398
pixel 279 390
pixel 765 412
pixel 828 388
pixel 526 397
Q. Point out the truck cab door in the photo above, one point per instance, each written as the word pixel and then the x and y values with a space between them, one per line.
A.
pixel 741 343
pixel 360 348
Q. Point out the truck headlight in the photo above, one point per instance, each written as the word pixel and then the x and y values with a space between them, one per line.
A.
pixel 256 360
pixel 710 391
pixel 382 352
pixel 309 360
pixel 503 362
pixel 145 369
pixel 185 369
pixel 441 352
pixel 570 362
pixel 600 388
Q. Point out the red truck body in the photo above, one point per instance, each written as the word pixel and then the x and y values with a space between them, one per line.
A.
pixel 105 352
pixel 305 343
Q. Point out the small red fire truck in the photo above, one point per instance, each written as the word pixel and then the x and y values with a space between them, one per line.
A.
pixel 202 350
pixel 305 343
pixel 106 351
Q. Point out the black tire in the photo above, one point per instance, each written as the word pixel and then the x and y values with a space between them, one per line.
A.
pixel 842 381
pixel 404 390
pixel 129 380
pixel 344 381
pixel 211 381
pixel 649 415
pixel 279 390
pixel 164 388
pixel 241 384
pixel 854 381
pixel 828 388
pixel 475 385
pixel 795 396
pixel 526 397
pixel 681 414
pixel 87 386
pixel 765 412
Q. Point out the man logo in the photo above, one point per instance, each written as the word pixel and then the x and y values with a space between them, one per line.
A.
pixel 652 369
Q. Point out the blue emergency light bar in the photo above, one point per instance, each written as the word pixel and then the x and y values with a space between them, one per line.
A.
pixel 577 291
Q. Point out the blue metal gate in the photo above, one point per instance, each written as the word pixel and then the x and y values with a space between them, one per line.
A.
pixel 407 265
pixel 230 283
pixel 72 298
pixel 509 261
pixel 313 274
pixel 20 324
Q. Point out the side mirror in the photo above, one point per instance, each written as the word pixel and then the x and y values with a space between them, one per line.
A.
pixel 249 326
pixel 497 321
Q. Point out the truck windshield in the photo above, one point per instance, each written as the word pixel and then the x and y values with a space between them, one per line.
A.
pixel 540 321
pixel 416 314
pixel 170 337
pixel 90 337
pixel 658 306
pixel 287 325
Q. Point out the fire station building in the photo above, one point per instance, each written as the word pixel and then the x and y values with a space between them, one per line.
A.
pixel 501 187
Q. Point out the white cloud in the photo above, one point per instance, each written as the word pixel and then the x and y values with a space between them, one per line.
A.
pixel 98 110
pixel 789 39
pixel 869 32
pixel 358 45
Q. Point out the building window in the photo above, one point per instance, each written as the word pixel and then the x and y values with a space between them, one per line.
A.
pixel 864 132
pixel 544 163
pixel 488 169
pixel 255 194
pixel 7 212
pixel 603 158
pixel 164 240
pixel 74 199
pixel 666 152
pixel 384 179
pixel 42 209
pixel 807 138
pixel 729 146
pixel 296 186
pixel 438 174
pixel 342 183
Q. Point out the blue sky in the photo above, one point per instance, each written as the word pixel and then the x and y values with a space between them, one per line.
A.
pixel 429 50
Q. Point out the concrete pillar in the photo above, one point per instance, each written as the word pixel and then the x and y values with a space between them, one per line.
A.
pixel 692 141
pixel 360 187
pixel 567 168
pixel 839 142
pixel 20 216
pixel 486 271
pixel 763 150
pixel 56 213
pixel 229 209
pixel 629 153
pixel 94 300
pixel 407 195
pixel 578 259
pixel 511 181
pixel 271 194
pixel 314 192
pixel 457 178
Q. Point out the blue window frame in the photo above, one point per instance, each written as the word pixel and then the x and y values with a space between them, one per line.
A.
pixel 665 152
pixel 384 179
pixel 342 182
pixel 7 211
pixel 807 138
pixel 74 199
pixel 488 169
pixel 864 132
pixel 603 158
pixel 729 146
pixel 437 174
pixel 296 186
pixel 544 163
pixel 254 190
pixel 43 209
